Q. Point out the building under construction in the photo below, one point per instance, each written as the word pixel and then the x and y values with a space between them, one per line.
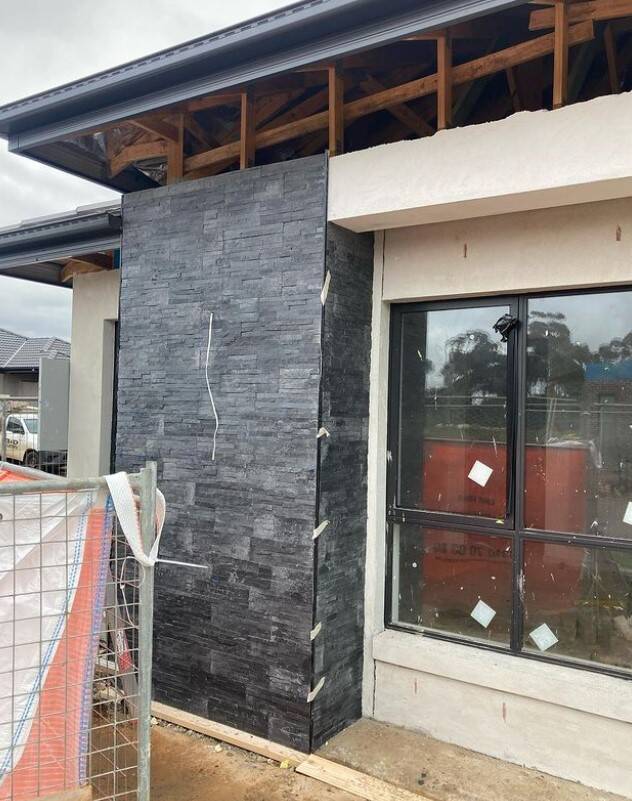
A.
pixel 367 302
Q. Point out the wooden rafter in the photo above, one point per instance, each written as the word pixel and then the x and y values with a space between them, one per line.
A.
pixel 200 134
pixel 514 93
pixel 596 10
pixel 319 100
pixel 81 265
pixel 463 73
pixel 175 153
pixel 336 120
pixel 247 140
pixel 611 58
pixel 158 127
pixel 560 55
pixel 268 108
pixel 404 113
pixel 137 152
pixel 444 81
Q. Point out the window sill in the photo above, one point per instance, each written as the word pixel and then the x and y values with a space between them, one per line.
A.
pixel 593 693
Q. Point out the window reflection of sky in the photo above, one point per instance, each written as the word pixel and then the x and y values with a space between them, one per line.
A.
pixel 444 325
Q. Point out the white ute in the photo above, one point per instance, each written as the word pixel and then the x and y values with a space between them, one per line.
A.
pixel 22 432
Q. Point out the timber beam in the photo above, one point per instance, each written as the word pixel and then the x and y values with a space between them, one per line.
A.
pixel 489 64
pixel 137 152
pixel 560 55
pixel 336 89
pixel 175 154
pixel 596 10
pixel 81 265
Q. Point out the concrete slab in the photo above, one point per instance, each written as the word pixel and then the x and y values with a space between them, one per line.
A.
pixel 446 772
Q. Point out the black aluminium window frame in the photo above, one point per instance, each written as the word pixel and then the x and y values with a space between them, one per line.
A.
pixel 516 443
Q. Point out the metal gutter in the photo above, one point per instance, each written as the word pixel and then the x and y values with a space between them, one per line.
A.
pixel 303 34
pixel 29 250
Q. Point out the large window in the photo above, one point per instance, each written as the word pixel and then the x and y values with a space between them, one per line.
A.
pixel 510 474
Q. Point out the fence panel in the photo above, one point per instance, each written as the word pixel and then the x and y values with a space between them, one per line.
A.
pixel 75 641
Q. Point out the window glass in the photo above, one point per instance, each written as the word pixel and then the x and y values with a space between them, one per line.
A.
pixel 453 413
pixel 578 461
pixel 578 602
pixel 32 423
pixel 455 582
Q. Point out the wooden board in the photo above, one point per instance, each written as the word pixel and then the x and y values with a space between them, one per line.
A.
pixel 249 742
pixel 355 782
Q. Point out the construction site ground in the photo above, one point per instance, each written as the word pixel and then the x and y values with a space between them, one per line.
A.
pixel 191 767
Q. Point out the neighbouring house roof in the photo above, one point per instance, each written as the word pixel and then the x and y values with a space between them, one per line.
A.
pixel 21 354
pixel 287 39
pixel 39 249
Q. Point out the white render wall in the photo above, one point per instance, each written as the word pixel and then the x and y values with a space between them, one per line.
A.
pixel 570 723
pixel 570 246
pixel 95 303
pixel 530 160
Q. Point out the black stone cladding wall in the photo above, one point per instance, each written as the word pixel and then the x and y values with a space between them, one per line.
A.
pixel 346 350
pixel 232 643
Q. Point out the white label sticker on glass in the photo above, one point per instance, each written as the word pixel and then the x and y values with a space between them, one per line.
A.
pixel 483 614
pixel 480 473
pixel 543 637
pixel 627 517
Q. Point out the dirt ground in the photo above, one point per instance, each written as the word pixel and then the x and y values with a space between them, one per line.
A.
pixel 189 767
pixel 186 767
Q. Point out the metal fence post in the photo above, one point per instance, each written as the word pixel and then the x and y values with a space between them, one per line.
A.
pixel 3 430
pixel 147 491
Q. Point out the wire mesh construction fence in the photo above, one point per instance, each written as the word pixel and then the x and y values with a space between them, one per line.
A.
pixel 75 640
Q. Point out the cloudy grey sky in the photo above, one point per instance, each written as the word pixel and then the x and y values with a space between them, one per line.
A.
pixel 44 43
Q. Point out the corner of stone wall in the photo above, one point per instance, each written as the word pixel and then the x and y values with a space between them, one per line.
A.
pixel 342 501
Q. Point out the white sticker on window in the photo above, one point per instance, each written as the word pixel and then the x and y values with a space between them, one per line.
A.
pixel 543 637
pixel 480 473
pixel 483 614
pixel 627 517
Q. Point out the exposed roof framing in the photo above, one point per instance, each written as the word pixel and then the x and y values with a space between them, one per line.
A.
pixel 337 74
pixel 51 250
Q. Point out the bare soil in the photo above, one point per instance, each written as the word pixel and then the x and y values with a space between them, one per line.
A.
pixel 186 767
pixel 190 767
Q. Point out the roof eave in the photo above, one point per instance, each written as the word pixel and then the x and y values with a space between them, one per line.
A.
pixel 30 250
pixel 58 123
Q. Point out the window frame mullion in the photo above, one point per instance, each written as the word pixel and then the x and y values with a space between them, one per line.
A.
pixel 520 444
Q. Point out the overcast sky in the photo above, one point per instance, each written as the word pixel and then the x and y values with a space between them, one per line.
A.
pixel 44 43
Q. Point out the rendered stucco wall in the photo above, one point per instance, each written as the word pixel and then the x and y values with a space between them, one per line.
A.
pixel 571 246
pixel 567 722
pixel 18 386
pixel 95 300
pixel 529 160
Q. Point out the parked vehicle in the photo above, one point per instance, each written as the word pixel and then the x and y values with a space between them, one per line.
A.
pixel 22 443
